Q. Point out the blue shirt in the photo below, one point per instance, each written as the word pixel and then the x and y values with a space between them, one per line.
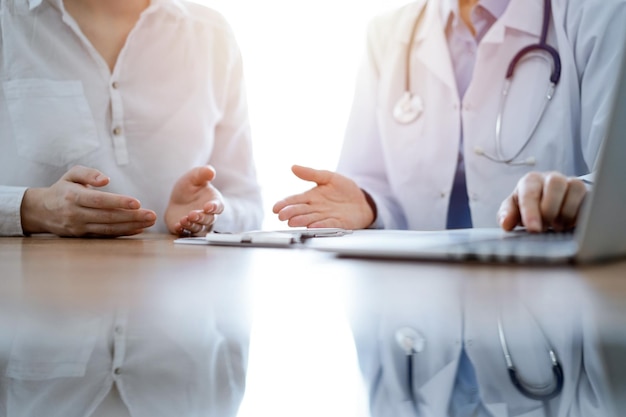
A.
pixel 462 44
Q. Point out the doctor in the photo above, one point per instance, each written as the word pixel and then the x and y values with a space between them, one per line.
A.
pixel 430 143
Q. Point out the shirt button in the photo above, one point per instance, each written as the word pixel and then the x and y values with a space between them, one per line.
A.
pixel 117 131
pixel 115 85
pixel 119 329
pixel 117 371
pixel 443 194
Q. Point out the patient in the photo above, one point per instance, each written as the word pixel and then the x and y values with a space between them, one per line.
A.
pixel 119 116
pixel 122 116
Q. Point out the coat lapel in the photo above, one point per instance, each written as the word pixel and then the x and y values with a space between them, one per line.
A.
pixel 430 48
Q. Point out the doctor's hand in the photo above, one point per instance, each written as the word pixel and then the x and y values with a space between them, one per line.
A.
pixel 336 201
pixel 72 207
pixel 194 203
pixel 543 200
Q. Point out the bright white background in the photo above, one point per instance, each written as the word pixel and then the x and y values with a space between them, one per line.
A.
pixel 300 62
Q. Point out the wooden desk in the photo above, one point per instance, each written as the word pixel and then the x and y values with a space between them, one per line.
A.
pixel 297 299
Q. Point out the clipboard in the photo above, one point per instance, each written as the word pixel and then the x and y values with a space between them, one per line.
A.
pixel 261 238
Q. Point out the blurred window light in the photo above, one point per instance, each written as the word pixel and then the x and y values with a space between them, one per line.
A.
pixel 300 63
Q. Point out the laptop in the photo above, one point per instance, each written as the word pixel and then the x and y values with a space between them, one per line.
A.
pixel 600 233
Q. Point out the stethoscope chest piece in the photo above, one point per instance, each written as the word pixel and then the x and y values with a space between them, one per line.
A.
pixel 410 340
pixel 408 108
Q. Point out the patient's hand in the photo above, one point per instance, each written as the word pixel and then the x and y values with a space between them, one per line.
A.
pixel 72 207
pixel 194 203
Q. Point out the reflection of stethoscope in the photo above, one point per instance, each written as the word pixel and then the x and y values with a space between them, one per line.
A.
pixel 410 106
pixel 412 342
pixel 543 393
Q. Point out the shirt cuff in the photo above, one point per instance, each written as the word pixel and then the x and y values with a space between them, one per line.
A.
pixel 378 221
pixel 10 207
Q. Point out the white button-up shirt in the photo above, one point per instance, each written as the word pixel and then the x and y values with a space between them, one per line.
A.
pixel 174 100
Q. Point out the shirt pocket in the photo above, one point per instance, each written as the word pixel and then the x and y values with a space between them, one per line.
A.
pixel 52 121
pixel 46 348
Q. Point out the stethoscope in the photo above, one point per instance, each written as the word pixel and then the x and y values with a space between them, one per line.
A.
pixel 543 393
pixel 412 342
pixel 410 106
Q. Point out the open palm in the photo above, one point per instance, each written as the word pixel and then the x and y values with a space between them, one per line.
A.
pixel 194 203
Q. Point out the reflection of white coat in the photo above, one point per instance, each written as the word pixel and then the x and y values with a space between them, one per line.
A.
pixel 455 314
pixel 409 169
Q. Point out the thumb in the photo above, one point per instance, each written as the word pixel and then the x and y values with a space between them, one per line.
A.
pixel 200 176
pixel 86 176
pixel 320 177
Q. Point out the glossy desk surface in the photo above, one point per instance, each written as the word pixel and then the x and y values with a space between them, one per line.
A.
pixel 303 309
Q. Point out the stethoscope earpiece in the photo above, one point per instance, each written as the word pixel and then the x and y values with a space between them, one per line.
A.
pixel 408 108
pixel 530 161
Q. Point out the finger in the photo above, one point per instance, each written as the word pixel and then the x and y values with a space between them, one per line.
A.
pixel 294 210
pixel 305 220
pixel 86 176
pixel 320 177
pixel 112 216
pixel 292 200
pixel 574 197
pixel 214 207
pixel 553 195
pixel 115 229
pixel 191 226
pixel 529 191
pixel 101 200
pixel 179 230
pixel 509 213
pixel 330 222
pixel 200 217
pixel 200 176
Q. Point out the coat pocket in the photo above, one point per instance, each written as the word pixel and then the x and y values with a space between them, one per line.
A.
pixel 52 121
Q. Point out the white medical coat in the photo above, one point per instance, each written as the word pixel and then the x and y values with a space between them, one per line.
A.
pixel 409 169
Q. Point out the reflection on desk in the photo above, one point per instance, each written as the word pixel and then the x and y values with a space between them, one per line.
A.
pixel 171 327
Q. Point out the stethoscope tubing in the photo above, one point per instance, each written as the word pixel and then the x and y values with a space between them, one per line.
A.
pixel 542 393
pixel 405 113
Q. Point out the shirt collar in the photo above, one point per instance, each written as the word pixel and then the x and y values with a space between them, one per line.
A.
pixel 174 6
pixel 450 8
pixel 33 4
pixel 495 7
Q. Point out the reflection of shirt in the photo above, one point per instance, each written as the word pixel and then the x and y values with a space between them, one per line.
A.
pixel 465 400
pixel 174 349
pixel 174 100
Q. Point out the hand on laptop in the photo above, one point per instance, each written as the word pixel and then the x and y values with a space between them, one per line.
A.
pixel 72 207
pixel 336 201
pixel 543 200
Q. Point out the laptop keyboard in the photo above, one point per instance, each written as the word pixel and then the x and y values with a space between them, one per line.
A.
pixel 519 246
